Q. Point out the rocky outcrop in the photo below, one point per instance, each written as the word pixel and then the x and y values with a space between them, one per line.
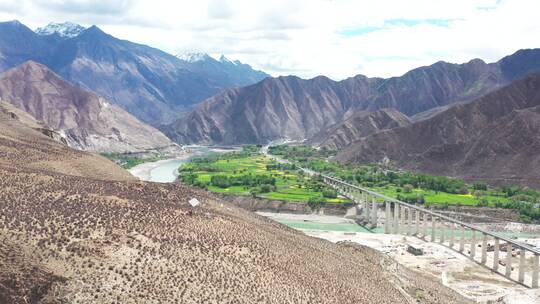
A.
pixel 83 119
pixel 297 109
pixel 494 138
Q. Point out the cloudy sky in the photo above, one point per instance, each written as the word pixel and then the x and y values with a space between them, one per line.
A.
pixel 337 38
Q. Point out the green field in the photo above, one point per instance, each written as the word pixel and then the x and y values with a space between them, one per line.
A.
pixel 439 198
pixel 289 185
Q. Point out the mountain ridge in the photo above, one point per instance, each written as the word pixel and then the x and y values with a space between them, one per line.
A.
pixel 294 108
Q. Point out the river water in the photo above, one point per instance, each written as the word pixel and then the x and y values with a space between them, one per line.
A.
pixel 166 171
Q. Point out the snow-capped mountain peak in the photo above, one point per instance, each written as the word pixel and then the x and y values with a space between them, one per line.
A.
pixel 192 57
pixel 66 29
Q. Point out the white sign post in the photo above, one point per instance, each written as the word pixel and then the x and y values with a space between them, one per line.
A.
pixel 194 203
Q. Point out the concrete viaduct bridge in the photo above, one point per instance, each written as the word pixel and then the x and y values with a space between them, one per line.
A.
pixel 398 217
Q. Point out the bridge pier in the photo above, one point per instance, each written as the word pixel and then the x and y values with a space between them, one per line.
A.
pixel 452 235
pixel 417 222
pixel 425 226
pixel 387 219
pixel 443 231
pixel 521 269
pixel 484 248
pixel 409 221
pixel 473 244
pixel 534 283
pixel 508 270
pixel 366 207
pixel 496 255
pixel 396 218
pixel 373 213
pixel 433 223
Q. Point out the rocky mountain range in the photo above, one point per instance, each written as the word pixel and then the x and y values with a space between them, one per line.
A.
pixel 494 138
pixel 154 86
pixel 81 118
pixel 298 109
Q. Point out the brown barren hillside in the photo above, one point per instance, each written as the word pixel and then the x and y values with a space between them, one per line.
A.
pixel 86 121
pixel 494 138
pixel 21 145
pixel 360 125
pixel 84 239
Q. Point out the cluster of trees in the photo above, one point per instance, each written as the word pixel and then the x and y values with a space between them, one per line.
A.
pixel 528 211
pixel 191 179
pixel 411 198
pixel 299 153
pixel 374 176
pixel 249 180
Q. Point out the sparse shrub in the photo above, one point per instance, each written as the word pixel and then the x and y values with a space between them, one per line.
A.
pixel 408 188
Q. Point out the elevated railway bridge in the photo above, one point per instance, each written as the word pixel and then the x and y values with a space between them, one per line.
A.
pixel 516 261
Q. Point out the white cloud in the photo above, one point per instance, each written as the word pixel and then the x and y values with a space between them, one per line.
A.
pixel 337 38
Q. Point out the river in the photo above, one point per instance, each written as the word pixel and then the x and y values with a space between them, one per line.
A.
pixel 166 171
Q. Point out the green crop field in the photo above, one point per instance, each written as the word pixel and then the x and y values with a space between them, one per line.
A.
pixel 289 185
pixel 438 198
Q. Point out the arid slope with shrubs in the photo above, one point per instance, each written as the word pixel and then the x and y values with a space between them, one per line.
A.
pixel 75 228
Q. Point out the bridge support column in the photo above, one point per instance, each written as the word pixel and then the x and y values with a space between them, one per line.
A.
pixel 452 234
pixel 433 221
pixel 387 217
pixel 521 274
pixel 366 208
pixel 462 239
pixel 496 255
pixel 417 222
pixel 407 220
pixel 443 231
pixel 410 219
pixel 396 218
pixel 473 244
pixel 484 248
pixel 404 220
pixel 535 270
pixel 425 225
pixel 373 212
pixel 508 270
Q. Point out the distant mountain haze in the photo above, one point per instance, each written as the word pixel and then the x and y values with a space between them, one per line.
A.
pixel 85 120
pixel 154 86
pixel 494 138
pixel 298 109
